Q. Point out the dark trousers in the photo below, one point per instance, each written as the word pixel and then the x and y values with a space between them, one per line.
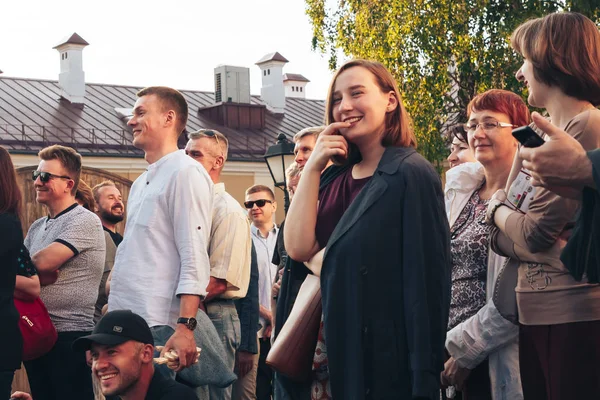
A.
pixel 286 389
pixel 62 373
pixel 264 375
pixel 560 362
pixel 6 378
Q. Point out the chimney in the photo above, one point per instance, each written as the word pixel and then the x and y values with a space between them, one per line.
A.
pixel 295 85
pixel 72 78
pixel 272 91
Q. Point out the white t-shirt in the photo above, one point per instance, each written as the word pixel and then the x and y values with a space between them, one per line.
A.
pixel 164 249
pixel 71 299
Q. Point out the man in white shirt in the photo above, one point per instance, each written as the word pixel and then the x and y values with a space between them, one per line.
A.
pixel 229 248
pixel 261 205
pixel 162 268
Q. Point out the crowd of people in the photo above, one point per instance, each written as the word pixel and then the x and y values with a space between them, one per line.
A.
pixel 487 288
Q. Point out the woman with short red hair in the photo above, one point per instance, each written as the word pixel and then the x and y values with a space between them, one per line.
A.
pixel 482 345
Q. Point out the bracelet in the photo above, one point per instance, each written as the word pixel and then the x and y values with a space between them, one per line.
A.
pixel 491 211
pixel 496 201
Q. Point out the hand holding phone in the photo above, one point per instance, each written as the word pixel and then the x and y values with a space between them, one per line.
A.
pixel 527 137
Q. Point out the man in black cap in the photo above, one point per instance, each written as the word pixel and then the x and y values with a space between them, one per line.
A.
pixel 122 350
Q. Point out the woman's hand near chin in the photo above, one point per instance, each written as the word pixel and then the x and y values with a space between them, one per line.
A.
pixel 329 144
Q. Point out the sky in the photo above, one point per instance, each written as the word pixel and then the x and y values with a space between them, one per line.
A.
pixel 175 43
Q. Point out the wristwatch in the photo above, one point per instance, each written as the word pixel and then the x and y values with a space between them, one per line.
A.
pixel 189 323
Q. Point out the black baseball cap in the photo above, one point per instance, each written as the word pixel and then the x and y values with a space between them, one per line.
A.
pixel 114 328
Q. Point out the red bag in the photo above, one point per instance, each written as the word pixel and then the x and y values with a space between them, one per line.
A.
pixel 38 331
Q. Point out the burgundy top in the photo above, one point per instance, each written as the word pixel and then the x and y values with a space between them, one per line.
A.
pixel 334 200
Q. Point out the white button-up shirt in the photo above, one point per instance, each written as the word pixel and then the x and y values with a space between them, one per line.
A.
pixel 230 244
pixel 164 252
pixel 265 246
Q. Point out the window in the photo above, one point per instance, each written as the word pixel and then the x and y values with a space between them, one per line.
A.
pixel 300 88
pixel 264 73
pixel 66 55
pixel 269 72
pixel 292 88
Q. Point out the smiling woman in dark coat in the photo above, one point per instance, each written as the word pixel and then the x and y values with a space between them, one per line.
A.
pixel 380 219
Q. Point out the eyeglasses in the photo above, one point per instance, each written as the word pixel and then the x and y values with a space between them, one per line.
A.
pixel 487 126
pixel 46 176
pixel 261 203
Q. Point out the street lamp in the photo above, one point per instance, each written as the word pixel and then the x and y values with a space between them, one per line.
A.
pixel 279 157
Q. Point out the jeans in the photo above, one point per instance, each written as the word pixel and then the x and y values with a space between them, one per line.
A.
pixel 224 317
pixel 161 334
pixel 212 368
pixel 61 373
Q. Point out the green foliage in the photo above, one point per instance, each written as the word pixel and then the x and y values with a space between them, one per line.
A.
pixel 442 52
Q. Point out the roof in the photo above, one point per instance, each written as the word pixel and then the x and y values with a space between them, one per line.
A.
pixel 295 77
pixel 32 116
pixel 73 39
pixel 272 57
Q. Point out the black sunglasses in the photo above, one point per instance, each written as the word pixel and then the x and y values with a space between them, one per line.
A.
pixel 46 176
pixel 210 133
pixel 260 203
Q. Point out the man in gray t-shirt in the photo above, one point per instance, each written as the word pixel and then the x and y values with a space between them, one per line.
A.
pixel 67 248
pixel 71 299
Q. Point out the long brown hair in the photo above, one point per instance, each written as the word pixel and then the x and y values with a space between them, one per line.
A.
pixel 398 127
pixel 10 195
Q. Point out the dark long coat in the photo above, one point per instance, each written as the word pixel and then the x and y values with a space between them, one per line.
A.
pixel 386 284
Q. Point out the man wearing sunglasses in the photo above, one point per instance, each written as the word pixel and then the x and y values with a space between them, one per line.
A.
pixel 67 249
pixel 261 205
pixel 229 251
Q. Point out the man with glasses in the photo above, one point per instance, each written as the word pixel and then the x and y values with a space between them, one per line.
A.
pixel 67 249
pixel 228 250
pixel 261 205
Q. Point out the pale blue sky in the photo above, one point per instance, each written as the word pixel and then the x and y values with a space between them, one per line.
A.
pixel 175 43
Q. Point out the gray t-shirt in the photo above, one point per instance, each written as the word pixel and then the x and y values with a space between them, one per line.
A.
pixel 70 300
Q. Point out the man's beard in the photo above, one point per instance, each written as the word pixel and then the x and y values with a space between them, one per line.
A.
pixel 112 218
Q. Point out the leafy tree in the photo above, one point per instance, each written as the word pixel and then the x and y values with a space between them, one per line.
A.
pixel 442 52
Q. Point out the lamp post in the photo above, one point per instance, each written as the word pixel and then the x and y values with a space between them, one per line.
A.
pixel 279 157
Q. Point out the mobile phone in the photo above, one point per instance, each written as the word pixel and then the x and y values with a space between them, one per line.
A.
pixel 527 137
